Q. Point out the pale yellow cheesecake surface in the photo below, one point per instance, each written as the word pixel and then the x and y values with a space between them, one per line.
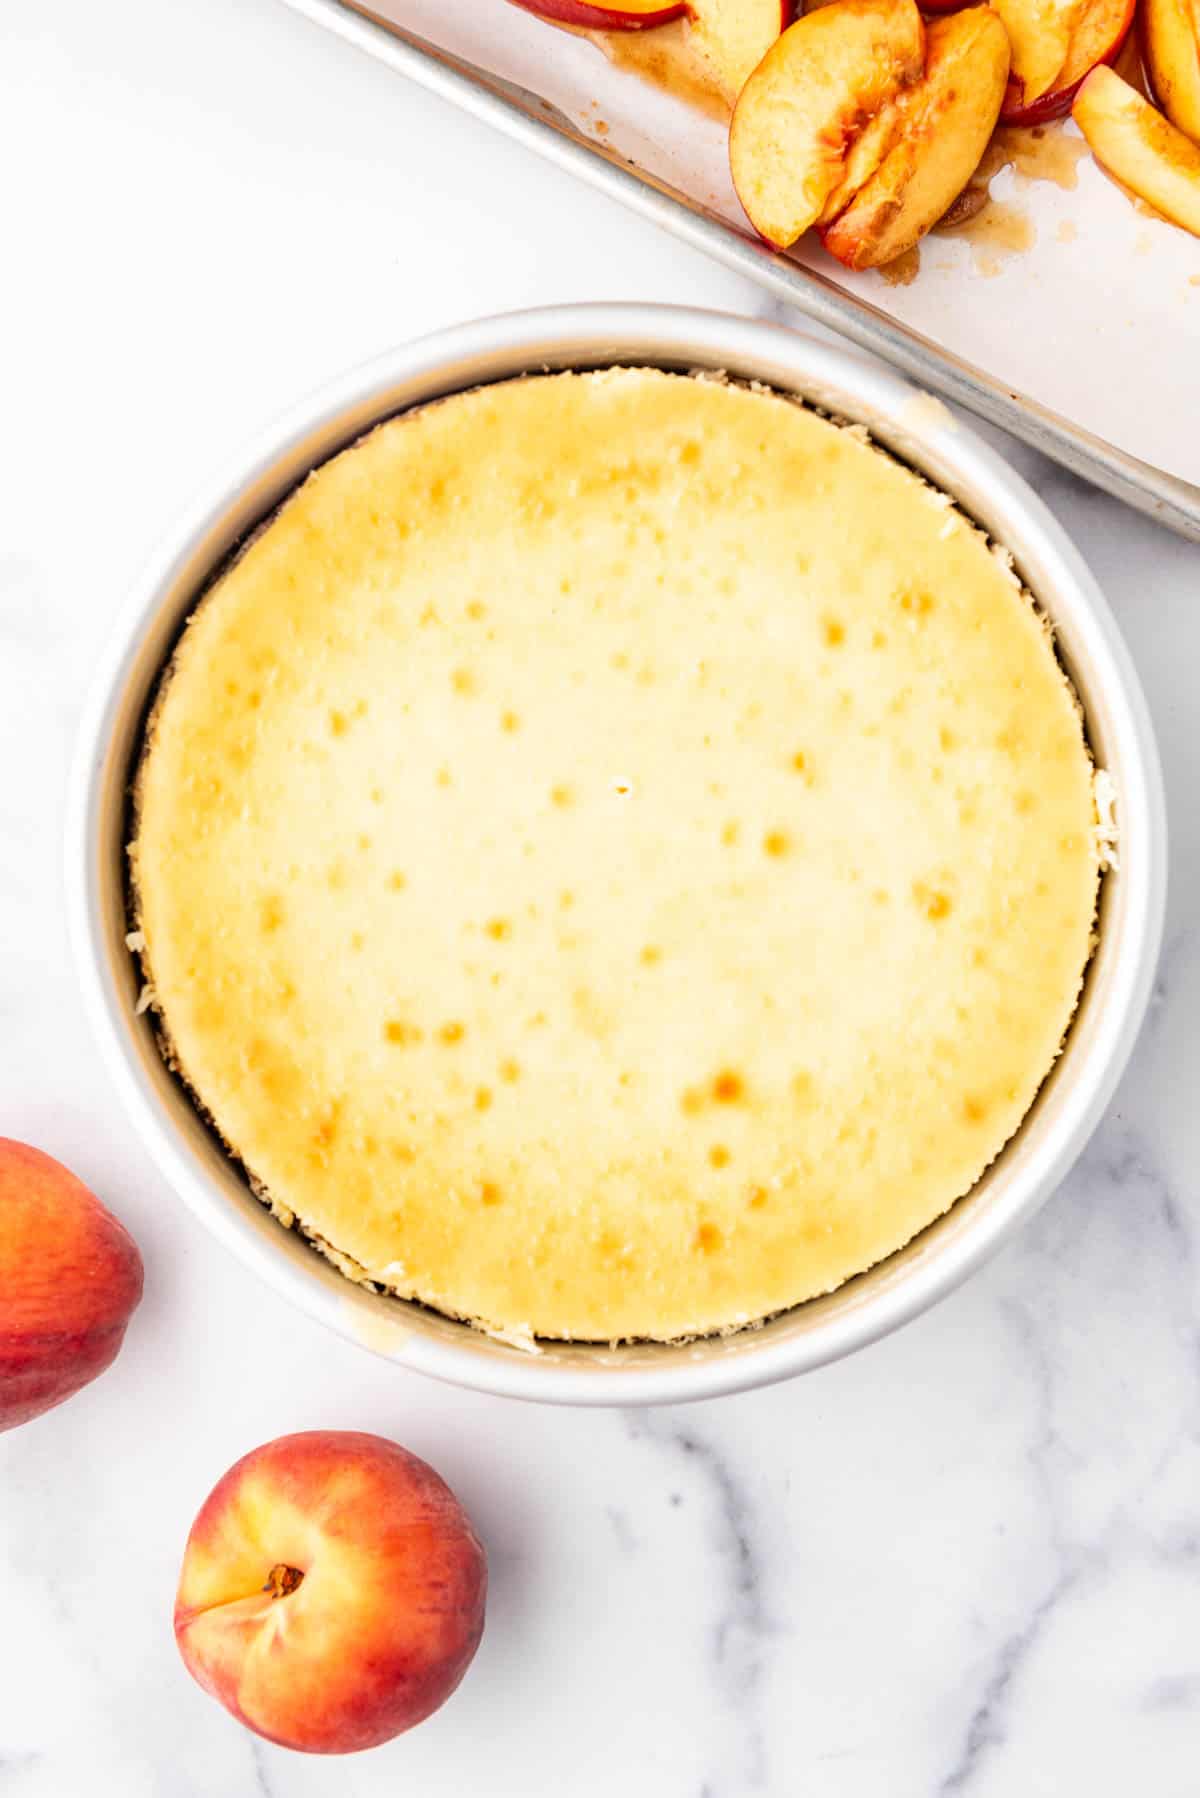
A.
pixel 615 855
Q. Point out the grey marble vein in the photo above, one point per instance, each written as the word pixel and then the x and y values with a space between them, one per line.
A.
pixel 1172 1692
pixel 988 1725
pixel 1121 1164
pixel 12 1766
pixel 623 1531
pixel 1178 944
pixel 258 1761
pixel 743 1624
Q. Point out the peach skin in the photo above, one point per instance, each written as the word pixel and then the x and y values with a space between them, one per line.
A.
pixel 70 1278
pixel 596 15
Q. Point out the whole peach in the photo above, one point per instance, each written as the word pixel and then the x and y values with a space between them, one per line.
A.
pixel 70 1278
pixel 332 1591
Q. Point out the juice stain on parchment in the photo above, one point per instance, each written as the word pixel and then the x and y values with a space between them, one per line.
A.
pixel 996 232
pixel 1000 229
pixel 661 56
pixel 903 270
pixel 665 59
pixel 1035 153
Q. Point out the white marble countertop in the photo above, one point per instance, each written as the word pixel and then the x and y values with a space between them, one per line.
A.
pixel 965 1561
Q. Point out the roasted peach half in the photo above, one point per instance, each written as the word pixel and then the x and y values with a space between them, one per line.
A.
pixel 815 93
pixel 1040 32
pixel 1098 37
pixel 945 124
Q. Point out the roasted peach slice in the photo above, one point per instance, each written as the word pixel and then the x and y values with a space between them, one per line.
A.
pixel 1171 40
pixel 945 125
pixel 1040 31
pixel 813 94
pixel 709 53
pixel 1098 37
pixel 704 56
pixel 727 39
pixel 1140 148
pixel 865 155
pixel 607 15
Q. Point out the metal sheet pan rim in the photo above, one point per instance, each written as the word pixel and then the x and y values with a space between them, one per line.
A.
pixel 530 120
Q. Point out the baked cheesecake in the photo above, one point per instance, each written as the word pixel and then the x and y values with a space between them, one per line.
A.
pixel 615 855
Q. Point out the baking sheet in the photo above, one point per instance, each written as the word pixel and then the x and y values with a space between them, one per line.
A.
pixel 1096 317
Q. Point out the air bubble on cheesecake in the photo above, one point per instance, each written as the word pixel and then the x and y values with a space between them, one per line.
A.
pixel 145 999
pixel 135 942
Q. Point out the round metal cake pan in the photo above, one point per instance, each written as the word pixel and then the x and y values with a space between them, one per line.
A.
pixel 917 429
